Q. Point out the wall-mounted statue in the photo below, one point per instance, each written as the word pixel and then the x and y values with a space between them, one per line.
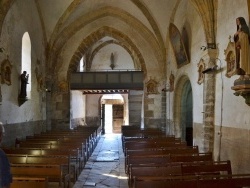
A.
pixel 241 39
pixel 201 67
pixel 24 81
pixel 112 61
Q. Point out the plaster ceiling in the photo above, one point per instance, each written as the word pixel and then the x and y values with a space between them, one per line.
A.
pixel 58 14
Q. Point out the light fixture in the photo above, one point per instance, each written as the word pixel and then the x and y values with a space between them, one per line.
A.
pixel 210 69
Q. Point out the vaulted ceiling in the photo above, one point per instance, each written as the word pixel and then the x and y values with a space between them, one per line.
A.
pixel 128 23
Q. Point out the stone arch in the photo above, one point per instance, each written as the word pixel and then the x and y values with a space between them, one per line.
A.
pixel 187 113
pixel 99 34
pixel 4 8
pixel 183 87
pixel 209 19
pixel 137 3
pixel 57 44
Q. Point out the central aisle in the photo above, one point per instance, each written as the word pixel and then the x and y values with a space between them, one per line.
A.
pixel 105 167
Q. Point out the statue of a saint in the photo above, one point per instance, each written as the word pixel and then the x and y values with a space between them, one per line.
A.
pixel 241 39
pixel 24 81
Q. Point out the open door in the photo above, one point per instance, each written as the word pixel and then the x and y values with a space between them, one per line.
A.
pixel 117 117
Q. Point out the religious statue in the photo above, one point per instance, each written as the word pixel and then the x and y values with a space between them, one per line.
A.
pixel 112 61
pixel 241 39
pixel 24 81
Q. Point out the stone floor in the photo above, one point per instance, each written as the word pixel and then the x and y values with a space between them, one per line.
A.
pixel 105 168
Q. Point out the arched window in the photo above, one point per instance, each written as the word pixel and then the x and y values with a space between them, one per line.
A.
pixel 26 59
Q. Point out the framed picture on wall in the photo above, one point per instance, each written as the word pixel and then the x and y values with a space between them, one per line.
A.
pixel 6 72
pixel 178 46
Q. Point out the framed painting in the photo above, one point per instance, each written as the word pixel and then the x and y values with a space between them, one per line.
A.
pixel 230 54
pixel 6 72
pixel 178 46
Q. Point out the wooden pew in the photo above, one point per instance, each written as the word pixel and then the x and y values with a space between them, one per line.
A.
pixel 59 140
pixel 153 170
pixel 162 138
pixel 149 159
pixel 168 158
pixel 140 145
pixel 164 182
pixel 219 181
pixel 62 163
pixel 206 168
pixel 143 133
pixel 54 141
pixel 59 146
pixel 164 150
pixel 181 169
pixel 52 172
pixel 228 181
pixel 23 151
pixel 156 139
pixel 191 158
pixel 29 182
pixel 160 151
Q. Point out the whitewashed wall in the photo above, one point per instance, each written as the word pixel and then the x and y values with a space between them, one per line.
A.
pixel 17 22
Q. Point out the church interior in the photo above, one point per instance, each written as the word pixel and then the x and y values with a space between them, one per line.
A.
pixel 179 66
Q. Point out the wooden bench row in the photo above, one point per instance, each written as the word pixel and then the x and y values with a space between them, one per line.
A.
pixel 152 161
pixel 179 169
pixel 203 181
pixel 29 182
pixel 53 173
pixel 54 156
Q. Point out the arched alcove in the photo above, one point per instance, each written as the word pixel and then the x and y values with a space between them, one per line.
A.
pixel 26 59
pixel 183 110
pixel 187 113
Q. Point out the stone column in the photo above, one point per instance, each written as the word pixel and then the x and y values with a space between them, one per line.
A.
pixel 209 58
pixel 135 107
pixel 60 106
pixel 163 111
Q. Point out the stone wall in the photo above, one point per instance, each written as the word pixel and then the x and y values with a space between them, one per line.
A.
pixel 232 144
pixel 21 130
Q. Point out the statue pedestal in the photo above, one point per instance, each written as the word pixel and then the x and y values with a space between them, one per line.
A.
pixel 242 88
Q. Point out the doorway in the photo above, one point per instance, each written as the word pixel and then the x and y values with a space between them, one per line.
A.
pixel 115 112
pixel 187 113
pixel 183 110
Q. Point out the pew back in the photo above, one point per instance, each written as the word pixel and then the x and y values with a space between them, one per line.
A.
pixel 29 182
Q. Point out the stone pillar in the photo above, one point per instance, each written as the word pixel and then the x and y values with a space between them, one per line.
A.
pixel 60 119
pixel 60 106
pixel 209 58
pixel 135 107
pixel 163 111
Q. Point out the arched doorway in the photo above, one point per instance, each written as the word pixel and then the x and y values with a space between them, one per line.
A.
pixel 114 112
pixel 183 110
pixel 187 113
